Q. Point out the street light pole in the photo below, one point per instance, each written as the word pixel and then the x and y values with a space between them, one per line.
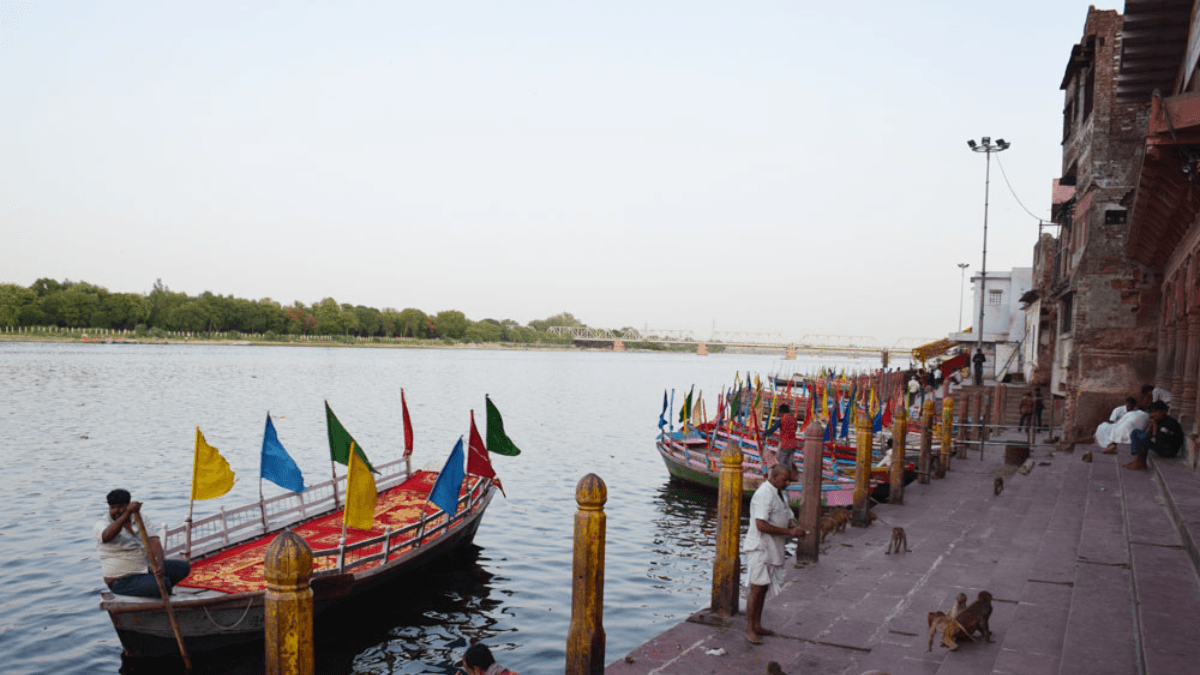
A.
pixel 987 147
pixel 962 285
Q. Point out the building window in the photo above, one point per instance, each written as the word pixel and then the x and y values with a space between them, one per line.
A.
pixel 1065 313
pixel 995 298
pixel 1116 217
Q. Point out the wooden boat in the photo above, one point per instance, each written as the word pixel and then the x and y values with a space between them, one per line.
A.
pixel 220 603
pixel 690 458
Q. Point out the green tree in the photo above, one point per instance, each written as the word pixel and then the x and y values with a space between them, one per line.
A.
pixel 413 323
pixel 13 299
pixel 451 323
pixel 126 310
pixel 485 331
pixel 370 321
pixel 563 319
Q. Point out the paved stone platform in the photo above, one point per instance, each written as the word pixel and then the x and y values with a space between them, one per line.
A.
pixel 1085 562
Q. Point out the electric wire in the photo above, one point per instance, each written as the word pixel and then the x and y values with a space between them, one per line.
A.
pixel 1014 192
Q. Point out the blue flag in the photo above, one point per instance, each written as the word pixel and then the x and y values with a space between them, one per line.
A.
pixel 277 465
pixel 845 433
pixel 877 425
pixel 444 494
pixel 662 417
pixel 671 417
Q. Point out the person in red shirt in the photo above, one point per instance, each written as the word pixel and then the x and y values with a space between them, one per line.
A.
pixel 786 425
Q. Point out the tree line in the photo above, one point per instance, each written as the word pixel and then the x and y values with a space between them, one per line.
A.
pixel 78 304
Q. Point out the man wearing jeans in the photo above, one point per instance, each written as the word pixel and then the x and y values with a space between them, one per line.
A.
pixel 123 557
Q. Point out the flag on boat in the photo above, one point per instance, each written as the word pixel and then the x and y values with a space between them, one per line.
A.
pixel 360 493
pixel 662 417
pixel 408 430
pixel 211 475
pixel 276 465
pixel 499 442
pixel 340 441
pixel 444 494
pixel 685 412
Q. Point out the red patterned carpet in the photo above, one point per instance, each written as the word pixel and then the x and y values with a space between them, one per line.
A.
pixel 240 569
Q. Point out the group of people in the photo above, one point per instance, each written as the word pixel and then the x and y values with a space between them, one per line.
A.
pixel 1145 424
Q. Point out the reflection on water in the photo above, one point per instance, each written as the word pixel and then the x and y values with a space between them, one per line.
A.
pixel 79 420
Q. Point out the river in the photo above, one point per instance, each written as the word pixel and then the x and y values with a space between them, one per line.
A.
pixel 80 419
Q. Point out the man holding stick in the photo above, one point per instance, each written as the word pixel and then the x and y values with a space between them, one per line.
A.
pixel 125 562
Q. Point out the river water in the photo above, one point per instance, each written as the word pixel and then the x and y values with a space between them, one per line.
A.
pixel 79 420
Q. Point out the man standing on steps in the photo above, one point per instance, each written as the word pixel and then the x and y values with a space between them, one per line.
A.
pixel 1163 435
pixel 771 523
pixel 978 360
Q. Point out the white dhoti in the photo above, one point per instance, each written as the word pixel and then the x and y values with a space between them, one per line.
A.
pixel 760 572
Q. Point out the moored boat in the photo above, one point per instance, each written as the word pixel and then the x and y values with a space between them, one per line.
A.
pixel 220 603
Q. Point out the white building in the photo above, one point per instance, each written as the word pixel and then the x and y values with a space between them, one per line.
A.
pixel 1003 321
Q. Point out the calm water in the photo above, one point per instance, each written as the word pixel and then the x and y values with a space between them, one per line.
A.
pixel 78 420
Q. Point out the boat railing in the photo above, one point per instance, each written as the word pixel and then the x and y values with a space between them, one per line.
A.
pixel 405 539
pixel 232 526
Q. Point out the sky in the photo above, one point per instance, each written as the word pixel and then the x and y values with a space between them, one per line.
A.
pixel 790 168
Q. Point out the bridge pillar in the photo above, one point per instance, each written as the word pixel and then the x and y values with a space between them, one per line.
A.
pixel 791 353
pixel 701 349
pixel 618 346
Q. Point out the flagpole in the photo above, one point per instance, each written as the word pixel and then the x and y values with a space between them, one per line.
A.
pixel 333 469
pixel 187 546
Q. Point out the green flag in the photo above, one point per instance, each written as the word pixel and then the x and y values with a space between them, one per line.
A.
pixel 497 441
pixel 340 441
pixel 685 413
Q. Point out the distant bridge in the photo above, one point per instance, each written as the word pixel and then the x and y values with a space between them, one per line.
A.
pixel 824 344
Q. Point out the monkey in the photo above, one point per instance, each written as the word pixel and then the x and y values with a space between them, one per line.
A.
pixel 872 516
pixel 826 525
pixel 938 623
pixel 773 668
pixel 938 470
pixel 960 603
pixel 998 486
pixel 947 625
pixel 841 518
pixel 974 618
pixel 1087 456
pixel 899 540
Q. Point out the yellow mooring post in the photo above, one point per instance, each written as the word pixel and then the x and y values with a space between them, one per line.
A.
pixel 810 509
pixel 863 426
pixel 288 568
pixel 726 570
pixel 947 432
pixel 926 442
pixel 899 436
pixel 585 636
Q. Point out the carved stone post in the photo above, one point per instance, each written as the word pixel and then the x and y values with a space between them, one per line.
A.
pixel 1168 373
pixel 585 635
pixel 810 510
pixel 963 419
pixel 863 425
pixel 926 442
pixel 899 439
pixel 288 604
pixel 729 526
pixel 947 431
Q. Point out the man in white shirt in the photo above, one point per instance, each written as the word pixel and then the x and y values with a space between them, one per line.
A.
pixel 771 523
pixel 123 557
pixel 1105 433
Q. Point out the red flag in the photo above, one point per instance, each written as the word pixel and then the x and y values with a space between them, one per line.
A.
pixel 812 403
pixel 887 414
pixel 408 431
pixel 477 457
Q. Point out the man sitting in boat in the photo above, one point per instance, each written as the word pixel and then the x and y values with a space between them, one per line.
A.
pixel 786 424
pixel 123 558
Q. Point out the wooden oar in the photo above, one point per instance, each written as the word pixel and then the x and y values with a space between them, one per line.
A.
pixel 156 568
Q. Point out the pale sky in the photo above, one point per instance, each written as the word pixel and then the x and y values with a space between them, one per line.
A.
pixel 788 167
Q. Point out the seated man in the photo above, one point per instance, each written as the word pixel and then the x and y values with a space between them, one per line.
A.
pixel 1104 432
pixel 123 558
pixel 1163 435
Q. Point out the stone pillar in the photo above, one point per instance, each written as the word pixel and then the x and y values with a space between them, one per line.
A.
pixel 1188 391
pixel 810 510
pixel 729 529
pixel 947 431
pixel 1168 372
pixel 863 424
pixel 964 416
pixel 926 441
pixel 899 437
pixel 618 345
pixel 288 604
pixel 701 349
pixel 791 353
pixel 585 635
pixel 1181 348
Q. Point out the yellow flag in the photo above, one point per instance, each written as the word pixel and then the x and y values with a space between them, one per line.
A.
pixel 360 494
pixel 211 475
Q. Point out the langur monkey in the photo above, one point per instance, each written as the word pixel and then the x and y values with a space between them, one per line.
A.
pixel 898 542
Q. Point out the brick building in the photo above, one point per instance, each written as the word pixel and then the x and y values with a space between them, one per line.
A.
pixel 1101 343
